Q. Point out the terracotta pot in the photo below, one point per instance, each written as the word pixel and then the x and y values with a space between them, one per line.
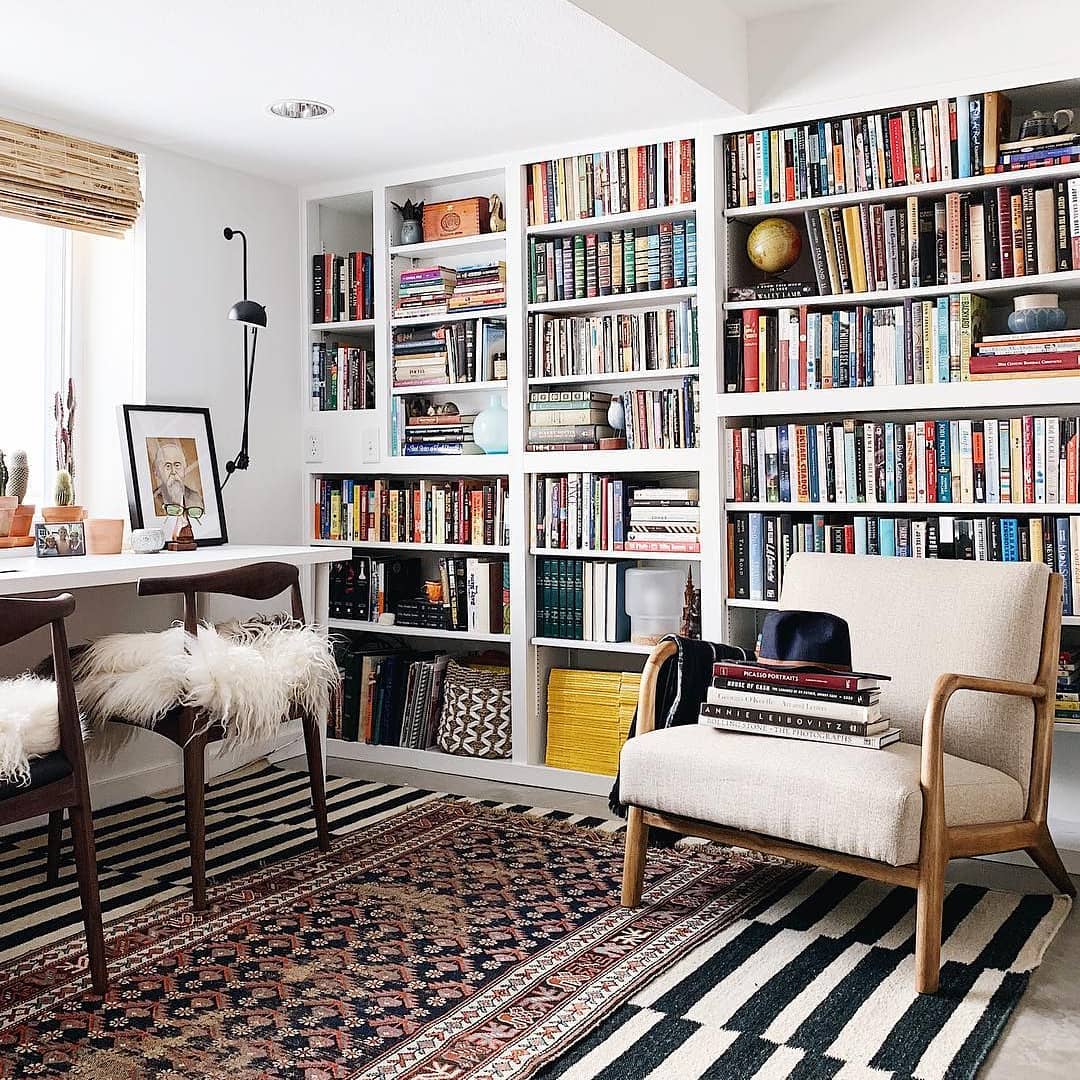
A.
pixel 62 515
pixel 24 519
pixel 8 505
pixel 104 536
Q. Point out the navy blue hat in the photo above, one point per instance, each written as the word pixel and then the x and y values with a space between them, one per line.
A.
pixel 806 641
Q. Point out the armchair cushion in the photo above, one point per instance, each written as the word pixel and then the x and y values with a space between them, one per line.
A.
pixel 861 802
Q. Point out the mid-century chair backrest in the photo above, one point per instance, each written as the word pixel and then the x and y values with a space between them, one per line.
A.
pixel 913 619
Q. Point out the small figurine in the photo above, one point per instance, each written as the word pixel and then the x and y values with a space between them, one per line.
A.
pixel 497 216
pixel 690 625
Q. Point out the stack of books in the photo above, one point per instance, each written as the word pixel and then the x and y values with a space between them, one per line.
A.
pixel 399 511
pixel 947 139
pixel 588 718
pixel 425 291
pixel 796 348
pixel 664 519
pixel 1023 460
pixel 342 287
pixel 662 419
pixel 479 286
pixel 611 182
pixel 442 433
pixel 1067 704
pixel 342 377
pixel 834 707
pixel 570 420
pixel 760 544
pixel 587 265
pixel 1026 356
pixel 472 350
pixel 421 355
pixel 1063 149
pixel 654 339
pixel 582 600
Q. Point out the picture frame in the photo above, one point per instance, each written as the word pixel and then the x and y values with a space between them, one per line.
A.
pixel 170 464
pixel 59 540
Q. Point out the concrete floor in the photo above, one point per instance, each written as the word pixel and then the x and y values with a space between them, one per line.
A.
pixel 1042 1040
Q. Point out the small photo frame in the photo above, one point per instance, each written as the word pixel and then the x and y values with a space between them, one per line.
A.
pixel 170 466
pixel 59 540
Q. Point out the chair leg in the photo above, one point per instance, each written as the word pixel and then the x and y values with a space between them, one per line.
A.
pixel 195 816
pixel 637 841
pixel 1045 856
pixel 931 899
pixel 82 841
pixel 55 843
pixel 313 745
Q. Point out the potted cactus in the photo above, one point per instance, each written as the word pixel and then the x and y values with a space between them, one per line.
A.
pixel 16 516
pixel 65 510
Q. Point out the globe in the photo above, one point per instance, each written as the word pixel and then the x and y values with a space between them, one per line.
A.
pixel 774 245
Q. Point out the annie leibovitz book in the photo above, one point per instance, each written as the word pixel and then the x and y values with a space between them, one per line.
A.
pixel 878 740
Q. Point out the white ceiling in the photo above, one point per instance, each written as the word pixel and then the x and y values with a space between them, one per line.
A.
pixel 412 82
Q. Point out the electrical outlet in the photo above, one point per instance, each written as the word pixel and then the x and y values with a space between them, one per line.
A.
pixel 313 445
pixel 371 447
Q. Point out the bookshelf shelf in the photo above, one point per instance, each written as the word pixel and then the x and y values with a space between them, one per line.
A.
pixel 455 245
pixel 466 465
pixel 376 545
pixel 448 317
pixel 351 326
pixel 416 631
pixel 906 509
pixel 449 388
pixel 1065 281
pixel 652 375
pixel 1039 176
pixel 605 222
pixel 560 461
pixel 593 646
pixel 650 298
pixel 962 396
pixel 649 556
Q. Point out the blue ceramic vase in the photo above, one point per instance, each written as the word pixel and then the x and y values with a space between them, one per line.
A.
pixel 491 429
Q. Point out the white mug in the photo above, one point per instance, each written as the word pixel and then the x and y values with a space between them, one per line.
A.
pixel 147 541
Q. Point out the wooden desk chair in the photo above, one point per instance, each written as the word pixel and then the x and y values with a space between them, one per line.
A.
pixel 187 728
pixel 58 780
pixel 972 648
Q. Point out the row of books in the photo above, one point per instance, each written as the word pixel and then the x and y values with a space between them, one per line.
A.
pixel 798 348
pixel 437 290
pixel 420 427
pixel 1003 232
pixel 588 265
pixel 400 511
pixel 1027 460
pixel 342 377
pixel 1067 701
pixel 342 287
pixel 582 600
pixel 755 699
pixel 611 182
pixel 588 718
pixel 759 544
pixel 593 512
pixel 389 696
pixel 460 352
pixel 652 339
pixel 952 138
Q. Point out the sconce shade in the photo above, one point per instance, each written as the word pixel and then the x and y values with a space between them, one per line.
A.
pixel 248 312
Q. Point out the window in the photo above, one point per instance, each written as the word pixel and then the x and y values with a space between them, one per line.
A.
pixel 66 309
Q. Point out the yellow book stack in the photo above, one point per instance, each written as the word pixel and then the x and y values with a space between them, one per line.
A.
pixel 588 718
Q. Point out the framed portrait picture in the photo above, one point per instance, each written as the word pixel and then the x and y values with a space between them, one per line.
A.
pixel 171 471
pixel 55 541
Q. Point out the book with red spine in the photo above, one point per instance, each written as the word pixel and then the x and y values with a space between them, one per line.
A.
pixel 1005 232
pixel 1033 363
pixel 1029 459
pixel 837 680
pixel 751 363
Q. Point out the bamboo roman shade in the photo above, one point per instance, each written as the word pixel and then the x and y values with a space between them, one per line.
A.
pixel 61 180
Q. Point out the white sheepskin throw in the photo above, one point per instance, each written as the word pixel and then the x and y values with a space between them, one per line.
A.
pixel 29 725
pixel 247 676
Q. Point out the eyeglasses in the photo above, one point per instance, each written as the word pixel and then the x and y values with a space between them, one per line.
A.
pixel 176 510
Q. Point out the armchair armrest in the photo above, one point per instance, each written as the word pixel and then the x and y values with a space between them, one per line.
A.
pixel 646 710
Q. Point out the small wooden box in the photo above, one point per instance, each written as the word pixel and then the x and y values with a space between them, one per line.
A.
pixel 462 217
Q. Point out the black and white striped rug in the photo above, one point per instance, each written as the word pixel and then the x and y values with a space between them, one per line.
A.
pixel 815 983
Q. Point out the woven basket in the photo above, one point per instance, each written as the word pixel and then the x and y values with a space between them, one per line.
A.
pixel 475 717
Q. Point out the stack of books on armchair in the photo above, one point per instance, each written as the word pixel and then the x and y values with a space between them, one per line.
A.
pixel 800 687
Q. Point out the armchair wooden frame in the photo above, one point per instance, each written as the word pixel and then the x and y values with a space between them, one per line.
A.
pixel 19 617
pixel 938 842
pixel 187 728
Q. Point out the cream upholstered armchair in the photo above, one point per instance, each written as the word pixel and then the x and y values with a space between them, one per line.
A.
pixel 972 649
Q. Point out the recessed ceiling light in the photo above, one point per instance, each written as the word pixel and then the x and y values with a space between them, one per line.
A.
pixel 297 109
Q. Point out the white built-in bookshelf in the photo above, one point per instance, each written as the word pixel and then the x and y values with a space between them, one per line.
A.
pixel 346 217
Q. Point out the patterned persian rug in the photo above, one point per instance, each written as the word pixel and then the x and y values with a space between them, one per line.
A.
pixel 449 939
